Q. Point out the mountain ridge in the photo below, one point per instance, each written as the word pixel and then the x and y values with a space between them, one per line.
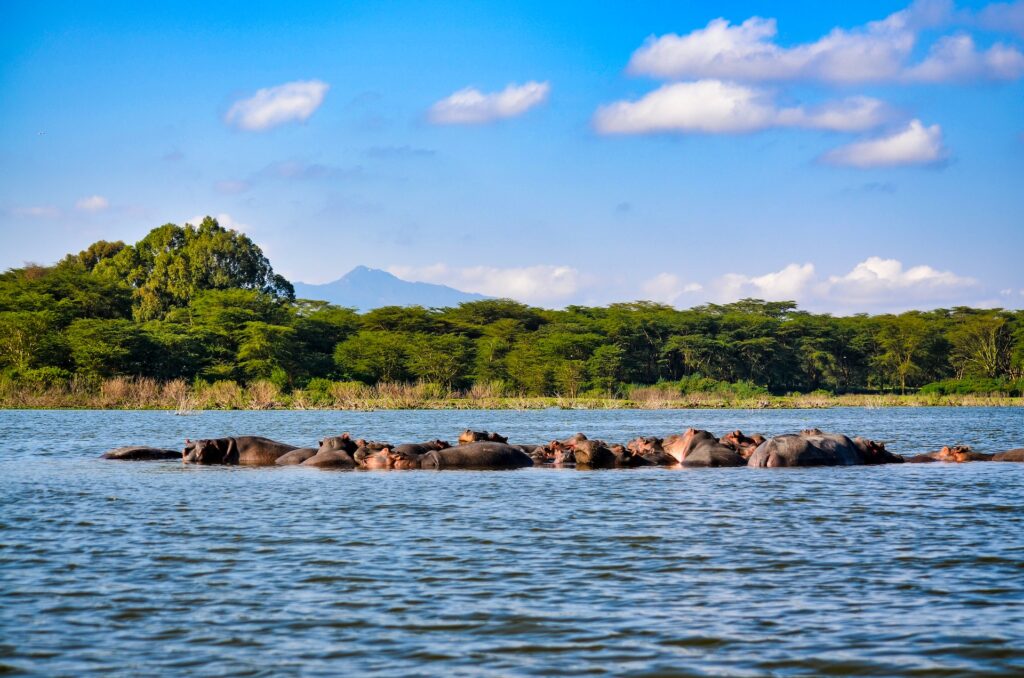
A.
pixel 365 289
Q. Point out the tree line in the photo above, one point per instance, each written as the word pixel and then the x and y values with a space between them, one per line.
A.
pixel 203 303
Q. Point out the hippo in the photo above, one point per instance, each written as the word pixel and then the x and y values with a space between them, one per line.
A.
pixel 297 456
pixel 700 448
pixel 955 454
pixel 813 447
pixel 562 454
pixel 744 445
pixel 250 450
pixel 593 454
pixel 140 453
pixel 476 455
pixel 422 448
pixel 1010 455
pixel 627 458
pixel 468 436
pixel 373 457
pixel 649 447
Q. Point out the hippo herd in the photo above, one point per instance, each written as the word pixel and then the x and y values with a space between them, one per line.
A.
pixel 486 450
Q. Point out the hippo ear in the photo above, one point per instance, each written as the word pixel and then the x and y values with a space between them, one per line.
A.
pixel 320 443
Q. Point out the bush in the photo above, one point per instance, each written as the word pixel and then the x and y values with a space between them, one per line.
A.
pixel 975 386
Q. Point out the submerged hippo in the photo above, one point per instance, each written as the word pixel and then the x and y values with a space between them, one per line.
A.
pixel 650 448
pixel 478 455
pixel 1010 455
pixel 249 450
pixel 954 454
pixel 744 445
pixel 140 453
pixel 469 436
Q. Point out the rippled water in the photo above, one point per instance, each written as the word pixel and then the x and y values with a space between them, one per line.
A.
pixel 155 568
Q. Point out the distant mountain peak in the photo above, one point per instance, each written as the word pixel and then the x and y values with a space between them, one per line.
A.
pixel 365 289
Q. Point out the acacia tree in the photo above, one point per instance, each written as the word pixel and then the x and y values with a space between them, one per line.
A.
pixel 172 264
pixel 981 345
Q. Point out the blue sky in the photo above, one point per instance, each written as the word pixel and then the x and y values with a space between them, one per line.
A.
pixel 862 157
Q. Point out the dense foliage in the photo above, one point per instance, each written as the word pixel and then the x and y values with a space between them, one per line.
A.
pixel 203 303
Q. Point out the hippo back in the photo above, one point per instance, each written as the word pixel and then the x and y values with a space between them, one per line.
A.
pixel 806 449
pixel 479 455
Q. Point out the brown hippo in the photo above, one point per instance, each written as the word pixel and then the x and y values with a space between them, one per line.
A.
pixel 140 453
pixel 873 453
pixel 699 448
pixel 407 455
pixel 744 445
pixel 250 450
pixel 650 448
pixel 478 455
pixel 954 454
pixel 374 457
pixel 468 436
pixel 562 454
pixel 1010 455
pixel 627 458
pixel 297 456
pixel 593 454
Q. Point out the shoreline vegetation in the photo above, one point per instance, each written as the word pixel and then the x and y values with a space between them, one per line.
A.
pixel 194 317
pixel 141 393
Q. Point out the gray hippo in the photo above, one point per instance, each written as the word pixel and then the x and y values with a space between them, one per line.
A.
pixel 813 447
pixel 478 455
pixel 140 453
pixel 249 450
pixel 334 452
pixel 700 448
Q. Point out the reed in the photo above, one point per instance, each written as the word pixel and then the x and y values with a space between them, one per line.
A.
pixel 182 397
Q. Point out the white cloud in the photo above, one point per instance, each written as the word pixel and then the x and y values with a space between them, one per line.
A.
pixel 873 283
pixel 530 284
pixel 878 280
pixel 955 57
pixel 224 219
pixel 789 283
pixel 470 106
pixel 878 51
pixel 36 212
pixel 668 288
pixel 272 106
pixel 913 145
pixel 713 106
pixel 92 203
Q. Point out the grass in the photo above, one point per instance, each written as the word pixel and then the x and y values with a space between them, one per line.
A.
pixel 183 397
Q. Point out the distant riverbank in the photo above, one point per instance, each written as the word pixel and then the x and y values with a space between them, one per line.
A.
pixel 180 396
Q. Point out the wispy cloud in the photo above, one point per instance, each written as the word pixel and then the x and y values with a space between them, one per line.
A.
pixel 913 145
pixel 36 212
pixel 273 106
pixel 714 106
pixel 92 203
pixel 470 106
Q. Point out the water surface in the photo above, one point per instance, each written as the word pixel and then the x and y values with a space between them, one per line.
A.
pixel 111 568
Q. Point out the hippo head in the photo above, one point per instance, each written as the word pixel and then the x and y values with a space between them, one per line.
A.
pixel 644 445
pixel 437 444
pixel 342 442
pixel 207 451
pixel 874 452
pixel 585 451
pixel 375 458
pixel 957 454
pixel 403 460
pixel 742 444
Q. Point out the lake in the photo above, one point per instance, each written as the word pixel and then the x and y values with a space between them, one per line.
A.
pixel 122 568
